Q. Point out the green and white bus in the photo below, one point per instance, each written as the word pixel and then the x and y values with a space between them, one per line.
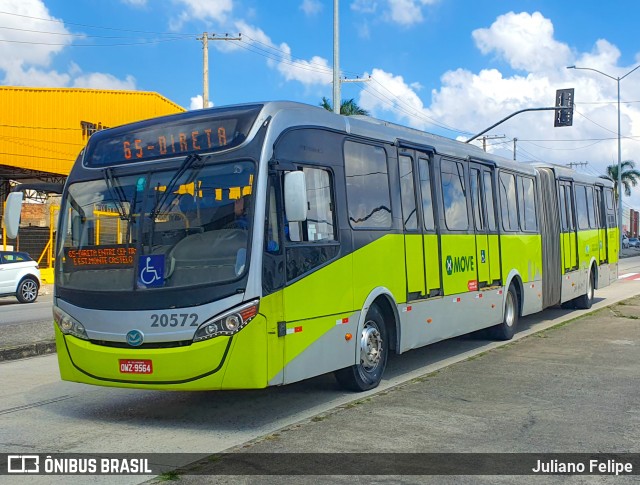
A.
pixel 259 245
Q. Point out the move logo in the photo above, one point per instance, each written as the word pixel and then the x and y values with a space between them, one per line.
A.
pixel 459 264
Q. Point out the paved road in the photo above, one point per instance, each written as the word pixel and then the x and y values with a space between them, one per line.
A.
pixel 38 412
pixel 12 312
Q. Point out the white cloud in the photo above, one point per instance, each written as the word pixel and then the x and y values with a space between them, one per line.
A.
pixel 523 40
pixel 20 48
pixel 388 93
pixel 197 102
pixel 26 62
pixel 311 7
pixel 364 6
pixel 407 12
pixel 100 80
pixel 473 101
pixel 402 12
pixel 201 10
pixel 315 71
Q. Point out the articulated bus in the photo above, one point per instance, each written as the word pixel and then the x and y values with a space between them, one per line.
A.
pixel 259 245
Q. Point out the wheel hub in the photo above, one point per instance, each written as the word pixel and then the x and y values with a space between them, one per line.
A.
pixel 370 347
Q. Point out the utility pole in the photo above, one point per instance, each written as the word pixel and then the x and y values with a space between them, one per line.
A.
pixel 336 58
pixel 205 62
pixel 515 140
pixel 490 137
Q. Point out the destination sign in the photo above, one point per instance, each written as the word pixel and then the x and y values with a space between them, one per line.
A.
pixel 99 257
pixel 171 136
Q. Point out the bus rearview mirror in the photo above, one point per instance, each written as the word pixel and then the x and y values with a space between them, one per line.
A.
pixel 12 210
pixel 295 196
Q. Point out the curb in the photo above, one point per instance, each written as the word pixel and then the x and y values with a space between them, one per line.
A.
pixel 29 350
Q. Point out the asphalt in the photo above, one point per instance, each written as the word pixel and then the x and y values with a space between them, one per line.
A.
pixel 22 340
pixel 572 388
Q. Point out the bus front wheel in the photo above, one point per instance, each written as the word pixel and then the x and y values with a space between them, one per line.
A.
pixel 506 329
pixel 373 349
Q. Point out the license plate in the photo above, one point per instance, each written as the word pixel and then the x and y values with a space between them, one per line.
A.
pixel 136 366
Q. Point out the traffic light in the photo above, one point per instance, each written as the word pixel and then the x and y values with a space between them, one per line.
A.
pixel 564 116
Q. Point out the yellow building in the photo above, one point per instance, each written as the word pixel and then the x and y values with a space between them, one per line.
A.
pixel 42 131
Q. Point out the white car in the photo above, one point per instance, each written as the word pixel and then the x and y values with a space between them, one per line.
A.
pixel 625 242
pixel 19 276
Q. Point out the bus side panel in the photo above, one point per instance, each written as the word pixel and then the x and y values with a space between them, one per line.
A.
pixel 588 247
pixel 436 319
pixel 272 308
pixel 432 262
pixel 523 253
pixel 379 264
pixel 415 265
pixel 314 343
pixel 459 263
pixel 494 261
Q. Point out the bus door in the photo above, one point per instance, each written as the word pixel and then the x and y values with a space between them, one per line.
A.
pixel 457 239
pixel 431 235
pixel 484 220
pixel 601 219
pixel 568 236
pixel 413 242
pixel 613 238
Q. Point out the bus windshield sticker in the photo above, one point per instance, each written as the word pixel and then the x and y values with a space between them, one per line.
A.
pixel 105 256
pixel 151 271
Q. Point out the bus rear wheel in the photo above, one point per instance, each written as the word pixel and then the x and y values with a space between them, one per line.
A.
pixel 506 329
pixel 373 351
pixel 585 301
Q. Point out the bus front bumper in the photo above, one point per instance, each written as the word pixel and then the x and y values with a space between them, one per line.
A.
pixel 238 362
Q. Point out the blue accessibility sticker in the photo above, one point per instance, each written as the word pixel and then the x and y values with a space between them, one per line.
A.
pixel 151 271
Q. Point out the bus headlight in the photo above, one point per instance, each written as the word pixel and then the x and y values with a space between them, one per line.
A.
pixel 228 323
pixel 69 325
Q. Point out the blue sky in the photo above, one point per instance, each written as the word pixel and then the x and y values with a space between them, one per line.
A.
pixel 452 67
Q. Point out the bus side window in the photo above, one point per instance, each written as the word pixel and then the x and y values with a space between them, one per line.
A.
pixel 563 209
pixel 581 207
pixel 454 195
pixel 408 193
pixel 272 231
pixel 591 210
pixel 425 186
pixel 367 178
pixel 488 199
pixel 319 225
pixel 508 202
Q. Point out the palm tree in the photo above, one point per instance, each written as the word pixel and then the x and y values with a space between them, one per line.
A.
pixel 630 176
pixel 348 107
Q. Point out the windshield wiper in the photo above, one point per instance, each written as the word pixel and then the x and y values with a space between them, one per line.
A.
pixel 186 165
pixel 119 199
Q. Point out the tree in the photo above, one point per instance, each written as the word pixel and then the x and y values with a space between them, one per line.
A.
pixel 348 107
pixel 630 176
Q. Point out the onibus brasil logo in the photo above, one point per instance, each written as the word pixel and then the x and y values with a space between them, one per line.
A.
pixel 459 264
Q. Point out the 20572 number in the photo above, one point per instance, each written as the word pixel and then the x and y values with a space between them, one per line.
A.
pixel 174 319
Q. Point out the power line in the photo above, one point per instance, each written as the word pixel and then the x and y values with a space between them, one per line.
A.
pixel 159 41
pixel 92 26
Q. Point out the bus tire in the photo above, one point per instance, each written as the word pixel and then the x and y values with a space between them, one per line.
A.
pixel 374 348
pixel 506 329
pixel 585 301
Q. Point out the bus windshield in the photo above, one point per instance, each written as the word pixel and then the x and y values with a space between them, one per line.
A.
pixel 174 228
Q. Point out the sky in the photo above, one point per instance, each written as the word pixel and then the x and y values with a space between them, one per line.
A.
pixel 450 67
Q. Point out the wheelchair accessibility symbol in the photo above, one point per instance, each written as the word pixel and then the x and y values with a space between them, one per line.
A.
pixel 151 271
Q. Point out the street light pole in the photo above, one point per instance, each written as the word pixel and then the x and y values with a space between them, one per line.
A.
pixel 617 79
